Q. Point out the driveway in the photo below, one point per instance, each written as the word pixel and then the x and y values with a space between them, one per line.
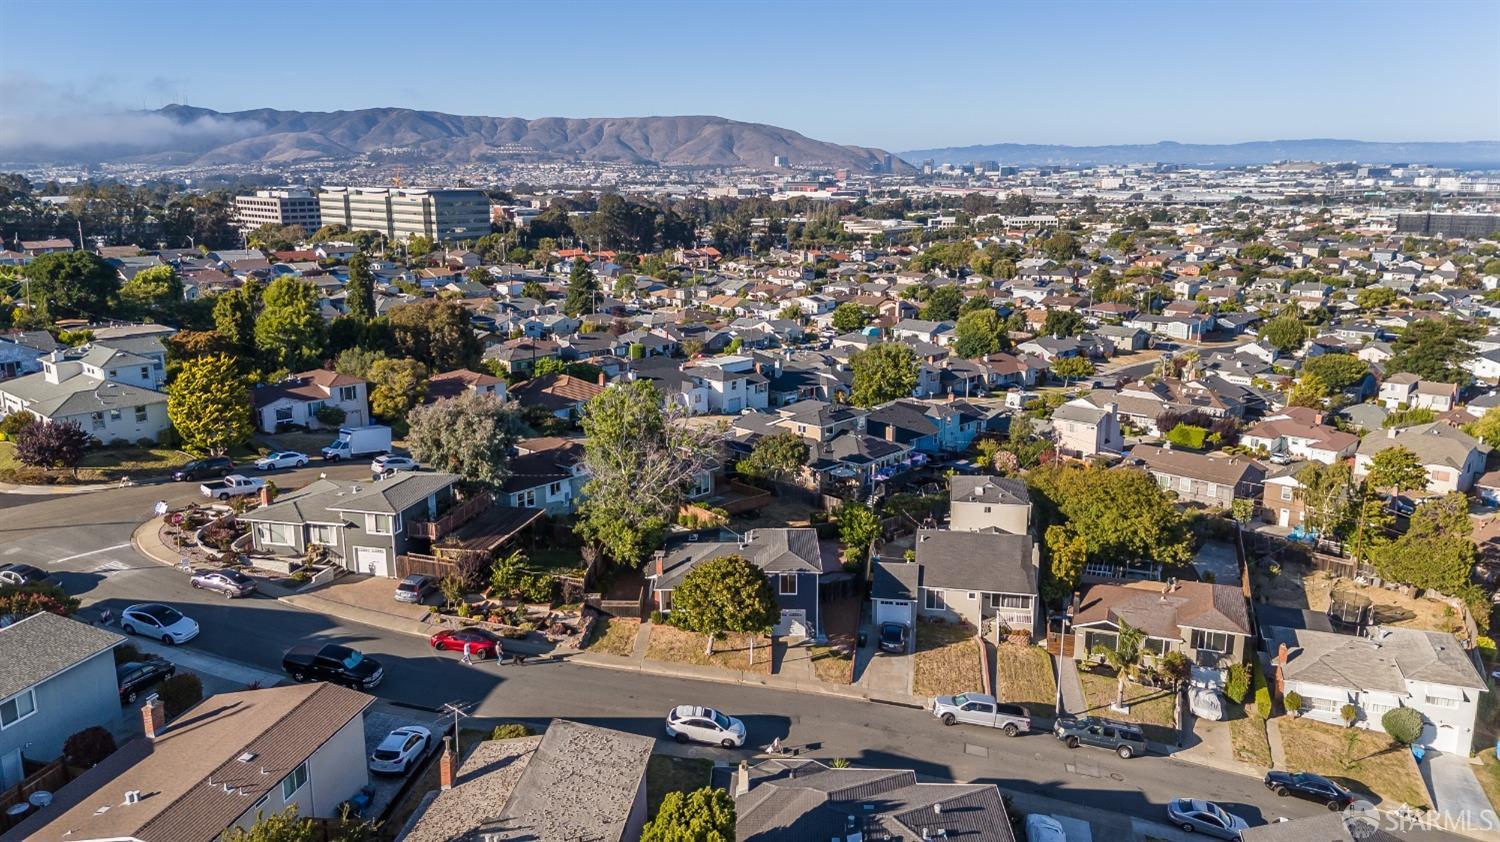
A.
pixel 1451 782
pixel 882 672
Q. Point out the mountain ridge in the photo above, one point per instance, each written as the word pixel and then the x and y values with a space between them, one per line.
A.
pixel 1467 154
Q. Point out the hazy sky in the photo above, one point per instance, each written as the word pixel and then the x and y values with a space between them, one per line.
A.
pixel 890 74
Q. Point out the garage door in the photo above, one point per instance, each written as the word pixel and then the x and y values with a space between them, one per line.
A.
pixel 892 611
pixel 372 560
pixel 793 624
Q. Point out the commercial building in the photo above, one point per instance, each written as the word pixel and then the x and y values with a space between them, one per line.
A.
pixel 293 206
pixel 1470 225
pixel 399 213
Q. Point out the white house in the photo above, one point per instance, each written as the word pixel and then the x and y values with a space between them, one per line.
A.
pixel 111 394
pixel 1084 429
pixel 297 400
pixel 1453 458
pixel 733 385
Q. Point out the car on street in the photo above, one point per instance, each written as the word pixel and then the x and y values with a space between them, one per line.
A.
pixel 1205 703
pixel 1310 787
pixel 135 676
pixel 234 485
pixel 1205 817
pixel 483 643
pixel 161 622
pixel 690 723
pixel 281 459
pixel 24 574
pixel 1122 738
pixel 400 749
pixel 201 469
pixel 332 663
pixel 415 588
pixel 230 583
pixel 893 637
pixel 982 709
pixel 390 463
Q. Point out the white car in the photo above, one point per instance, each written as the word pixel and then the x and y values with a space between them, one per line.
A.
pixel 391 463
pixel 688 723
pixel 1205 703
pixel 163 622
pixel 400 748
pixel 281 459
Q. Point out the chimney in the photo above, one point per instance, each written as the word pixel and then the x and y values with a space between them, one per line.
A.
pixel 1281 656
pixel 661 561
pixel 154 718
pixel 601 378
pixel 742 779
pixel 265 494
pixel 447 765
pixel 890 432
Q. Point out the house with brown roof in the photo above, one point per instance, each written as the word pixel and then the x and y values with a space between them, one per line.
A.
pixel 1209 623
pixel 1210 481
pixel 295 401
pixel 1299 431
pixel 562 395
pixel 451 384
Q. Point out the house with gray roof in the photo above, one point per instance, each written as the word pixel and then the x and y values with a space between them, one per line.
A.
pixel 986 579
pixel 977 503
pixel 21 351
pixel 1198 478
pixel 1453 458
pixel 111 393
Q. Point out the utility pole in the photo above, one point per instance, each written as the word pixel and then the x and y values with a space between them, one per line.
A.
pixel 458 712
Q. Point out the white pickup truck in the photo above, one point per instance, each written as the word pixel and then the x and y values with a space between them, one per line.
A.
pixel 234 485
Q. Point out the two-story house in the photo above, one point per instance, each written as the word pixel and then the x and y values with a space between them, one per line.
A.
pixel 926 427
pixel 1406 390
pixel 1199 478
pixel 978 503
pixel 547 473
pixel 987 579
pixel 1299 432
pixel 1453 458
pixel 733 385
pixel 1084 429
pixel 110 393
pixel 295 401
pixel 1209 623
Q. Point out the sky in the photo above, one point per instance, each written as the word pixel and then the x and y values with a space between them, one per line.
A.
pixel 894 75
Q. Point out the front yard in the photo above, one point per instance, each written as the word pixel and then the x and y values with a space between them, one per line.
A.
pixel 1247 736
pixel 105 464
pixel 1150 707
pixel 1489 776
pixel 947 660
pixel 614 636
pixel 675 645
pixel 1366 762
pixel 666 774
pixel 1023 674
pixel 833 664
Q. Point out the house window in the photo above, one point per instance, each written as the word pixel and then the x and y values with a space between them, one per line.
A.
pixel 1320 705
pixel 145 372
pixel 283 414
pixel 1210 641
pixel 527 498
pixel 294 782
pixel 1157 646
pixel 114 415
pixel 1093 638
pixel 378 524
pixel 1008 600
pixel 787 584
pixel 1375 710
pixel 934 601
pixel 322 534
pixel 554 489
pixel 1286 492
pixel 274 534
pixel 348 393
pixel 140 415
pixel 17 708
pixel 98 420
pixel 986 509
pixel 1440 701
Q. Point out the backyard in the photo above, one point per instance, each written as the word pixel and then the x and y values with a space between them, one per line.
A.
pixel 1150 707
pixel 946 661
pixel 675 645
pixel 614 636
pixel 1364 761
pixel 1295 585
pixel 1023 674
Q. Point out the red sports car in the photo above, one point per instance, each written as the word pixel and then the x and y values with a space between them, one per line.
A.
pixel 482 644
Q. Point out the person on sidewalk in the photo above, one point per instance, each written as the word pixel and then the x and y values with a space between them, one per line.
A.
pixel 468 656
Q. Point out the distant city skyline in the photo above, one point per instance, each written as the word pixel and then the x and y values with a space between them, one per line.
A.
pixel 893 75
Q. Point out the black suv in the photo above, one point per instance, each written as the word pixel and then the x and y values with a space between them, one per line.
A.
pixel 135 676
pixel 201 469
pixel 1122 738
pixel 332 663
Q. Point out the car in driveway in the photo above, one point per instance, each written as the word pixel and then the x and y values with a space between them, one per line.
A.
pixel 230 583
pixel 690 723
pixel 1309 786
pixel 415 588
pixel 390 463
pixel 332 663
pixel 483 643
pixel 1193 815
pixel 281 459
pixel 1122 738
pixel 135 676
pixel 1205 703
pixel 981 709
pixel 400 749
pixel 24 574
pixel 893 637
pixel 161 622
pixel 201 469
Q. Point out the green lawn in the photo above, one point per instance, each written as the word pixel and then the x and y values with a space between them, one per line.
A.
pixel 666 774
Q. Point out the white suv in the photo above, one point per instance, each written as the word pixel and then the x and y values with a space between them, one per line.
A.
pixel 687 723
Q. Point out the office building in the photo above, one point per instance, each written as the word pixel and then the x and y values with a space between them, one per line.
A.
pixel 1468 225
pixel 292 206
pixel 399 213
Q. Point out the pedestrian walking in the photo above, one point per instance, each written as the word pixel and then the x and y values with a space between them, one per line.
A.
pixel 106 617
pixel 468 659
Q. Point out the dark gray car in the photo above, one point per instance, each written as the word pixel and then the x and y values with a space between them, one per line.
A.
pixel 1122 738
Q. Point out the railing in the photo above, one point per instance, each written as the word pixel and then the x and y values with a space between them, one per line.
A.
pixel 435 530
pixel 413 564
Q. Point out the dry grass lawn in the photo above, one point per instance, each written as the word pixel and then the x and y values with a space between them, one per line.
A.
pixel 1247 737
pixel 1151 708
pixel 684 647
pixel 666 774
pixel 1023 674
pixel 1489 777
pixel 833 665
pixel 614 636
pixel 947 660
pixel 1301 587
pixel 1366 762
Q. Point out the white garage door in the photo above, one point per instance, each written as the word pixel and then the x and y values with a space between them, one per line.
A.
pixel 892 611
pixel 372 560
pixel 793 624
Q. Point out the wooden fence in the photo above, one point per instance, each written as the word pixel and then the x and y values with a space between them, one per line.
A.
pixel 49 778
pixel 413 564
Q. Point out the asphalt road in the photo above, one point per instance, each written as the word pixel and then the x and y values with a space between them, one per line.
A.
pixel 84 540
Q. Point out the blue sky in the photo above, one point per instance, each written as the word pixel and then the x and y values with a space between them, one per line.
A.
pixel 890 74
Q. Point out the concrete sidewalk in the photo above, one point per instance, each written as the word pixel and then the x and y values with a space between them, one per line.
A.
pixel 1073 700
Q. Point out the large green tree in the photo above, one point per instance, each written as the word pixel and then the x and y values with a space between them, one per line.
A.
pixel 1398 469
pixel 1284 333
pixel 209 404
pixel 703 815
pixel 1487 428
pixel 72 284
pixel 1062 323
pixel 471 435
pixel 977 333
pixel 152 291
pixel 437 334
pixel 289 330
pixel 882 373
pixel 1329 496
pixel 849 317
pixel 943 304
pixel 1435 350
pixel 1120 515
pixel 361 288
pixel 581 289
pixel 1338 371
pixel 775 457
pixel 396 386
pixel 1436 552
pixel 1072 368
pixel 235 312
pixel 726 594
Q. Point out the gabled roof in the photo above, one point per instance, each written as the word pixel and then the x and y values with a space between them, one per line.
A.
pixel 43 645
pixel 984 489
pixel 991 561
pixel 1160 610
pixel 777 550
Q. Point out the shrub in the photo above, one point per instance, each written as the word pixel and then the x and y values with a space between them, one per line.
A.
pixel 15 422
pixel 511 731
pixel 330 416
pixel 1187 435
pixel 655 618
pixel 1262 692
pixel 1403 724
pixel 1486 647
pixel 180 692
pixel 1238 685
pixel 839 763
pixel 89 746
pixel 127 653
pixel 1292 701
pixel 1349 713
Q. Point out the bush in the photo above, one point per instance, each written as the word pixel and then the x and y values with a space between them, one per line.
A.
pixel 655 618
pixel 1262 691
pixel 15 422
pixel 1349 713
pixel 1292 701
pixel 511 731
pixel 1187 435
pixel 180 692
pixel 1238 685
pixel 127 653
pixel 89 746
pixel 1486 647
pixel 330 416
pixel 1403 724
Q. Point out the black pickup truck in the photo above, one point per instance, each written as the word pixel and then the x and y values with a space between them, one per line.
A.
pixel 332 663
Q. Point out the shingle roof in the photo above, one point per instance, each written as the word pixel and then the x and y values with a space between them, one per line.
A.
pixel 395 494
pixel 1384 661
pixel 43 645
pixel 984 489
pixel 895 580
pixel 995 562
pixel 1195 465
pixel 1151 607
pixel 1434 444
pixel 776 550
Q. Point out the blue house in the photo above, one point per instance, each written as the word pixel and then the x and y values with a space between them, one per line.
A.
pixel 792 559
pixel 927 427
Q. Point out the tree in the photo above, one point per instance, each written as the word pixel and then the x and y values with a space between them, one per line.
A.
pixel 1328 495
pixel 943 304
pixel 848 317
pixel 87 747
pixel 1061 247
pixel 209 404
pixel 581 288
pixel 1285 333
pixel 397 386
pixel 152 290
pixel 470 435
pixel 1121 516
pixel 775 457
pixel 1310 390
pixel 1398 469
pixel 1403 724
pixel 1237 683
pixel 1123 657
pixel 289 330
pixel 1061 323
pixel 357 361
pixel 52 444
pixel 532 289
pixel 284 826
pixel 1067 554
pixel 726 594
pixel 1338 371
pixel 1374 298
pixel 977 333
pixel 882 373
pixel 436 334
pixel 703 815
pixel 1073 368
pixel 1487 428
pixel 858 528
pixel 180 692
pixel 631 444
pixel 72 284
pixel 1437 552
pixel 25 600
pixel 235 312
pixel 361 288
pixel 1435 350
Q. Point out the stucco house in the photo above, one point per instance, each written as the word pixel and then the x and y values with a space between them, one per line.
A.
pixel 978 503
pixel 1084 429
pixel 1208 623
pixel 1199 478
pixel 1299 432
pixel 987 579
pixel 295 402
pixel 112 394
pixel 1453 458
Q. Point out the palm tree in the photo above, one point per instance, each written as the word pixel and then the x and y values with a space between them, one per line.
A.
pixel 1123 657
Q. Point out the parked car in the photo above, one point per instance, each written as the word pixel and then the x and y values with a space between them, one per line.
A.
pixel 1309 786
pixel 358 441
pixel 24 574
pixel 1404 506
pixel 688 723
pixel 1205 817
pixel 400 748
pixel 483 644
pixel 390 463
pixel 1122 738
pixel 163 622
pixel 982 709
pixel 893 637
pixel 281 459
pixel 201 469
pixel 135 676
pixel 1206 703
pixel 415 588
pixel 332 663
pixel 230 583
pixel 1041 827
pixel 234 485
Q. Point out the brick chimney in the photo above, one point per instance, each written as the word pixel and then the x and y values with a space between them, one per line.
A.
pixel 601 378
pixel 447 765
pixel 661 561
pixel 1281 657
pixel 742 779
pixel 154 718
pixel 890 431
pixel 266 497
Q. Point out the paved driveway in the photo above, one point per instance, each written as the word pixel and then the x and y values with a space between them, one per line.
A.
pixel 882 672
pixel 1455 791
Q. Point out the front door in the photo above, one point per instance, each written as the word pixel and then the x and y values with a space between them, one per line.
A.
pixel 372 560
pixel 1286 517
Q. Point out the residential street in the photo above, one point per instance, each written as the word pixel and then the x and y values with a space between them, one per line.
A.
pixel 85 540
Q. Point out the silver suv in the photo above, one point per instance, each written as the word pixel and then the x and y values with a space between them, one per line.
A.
pixel 982 709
